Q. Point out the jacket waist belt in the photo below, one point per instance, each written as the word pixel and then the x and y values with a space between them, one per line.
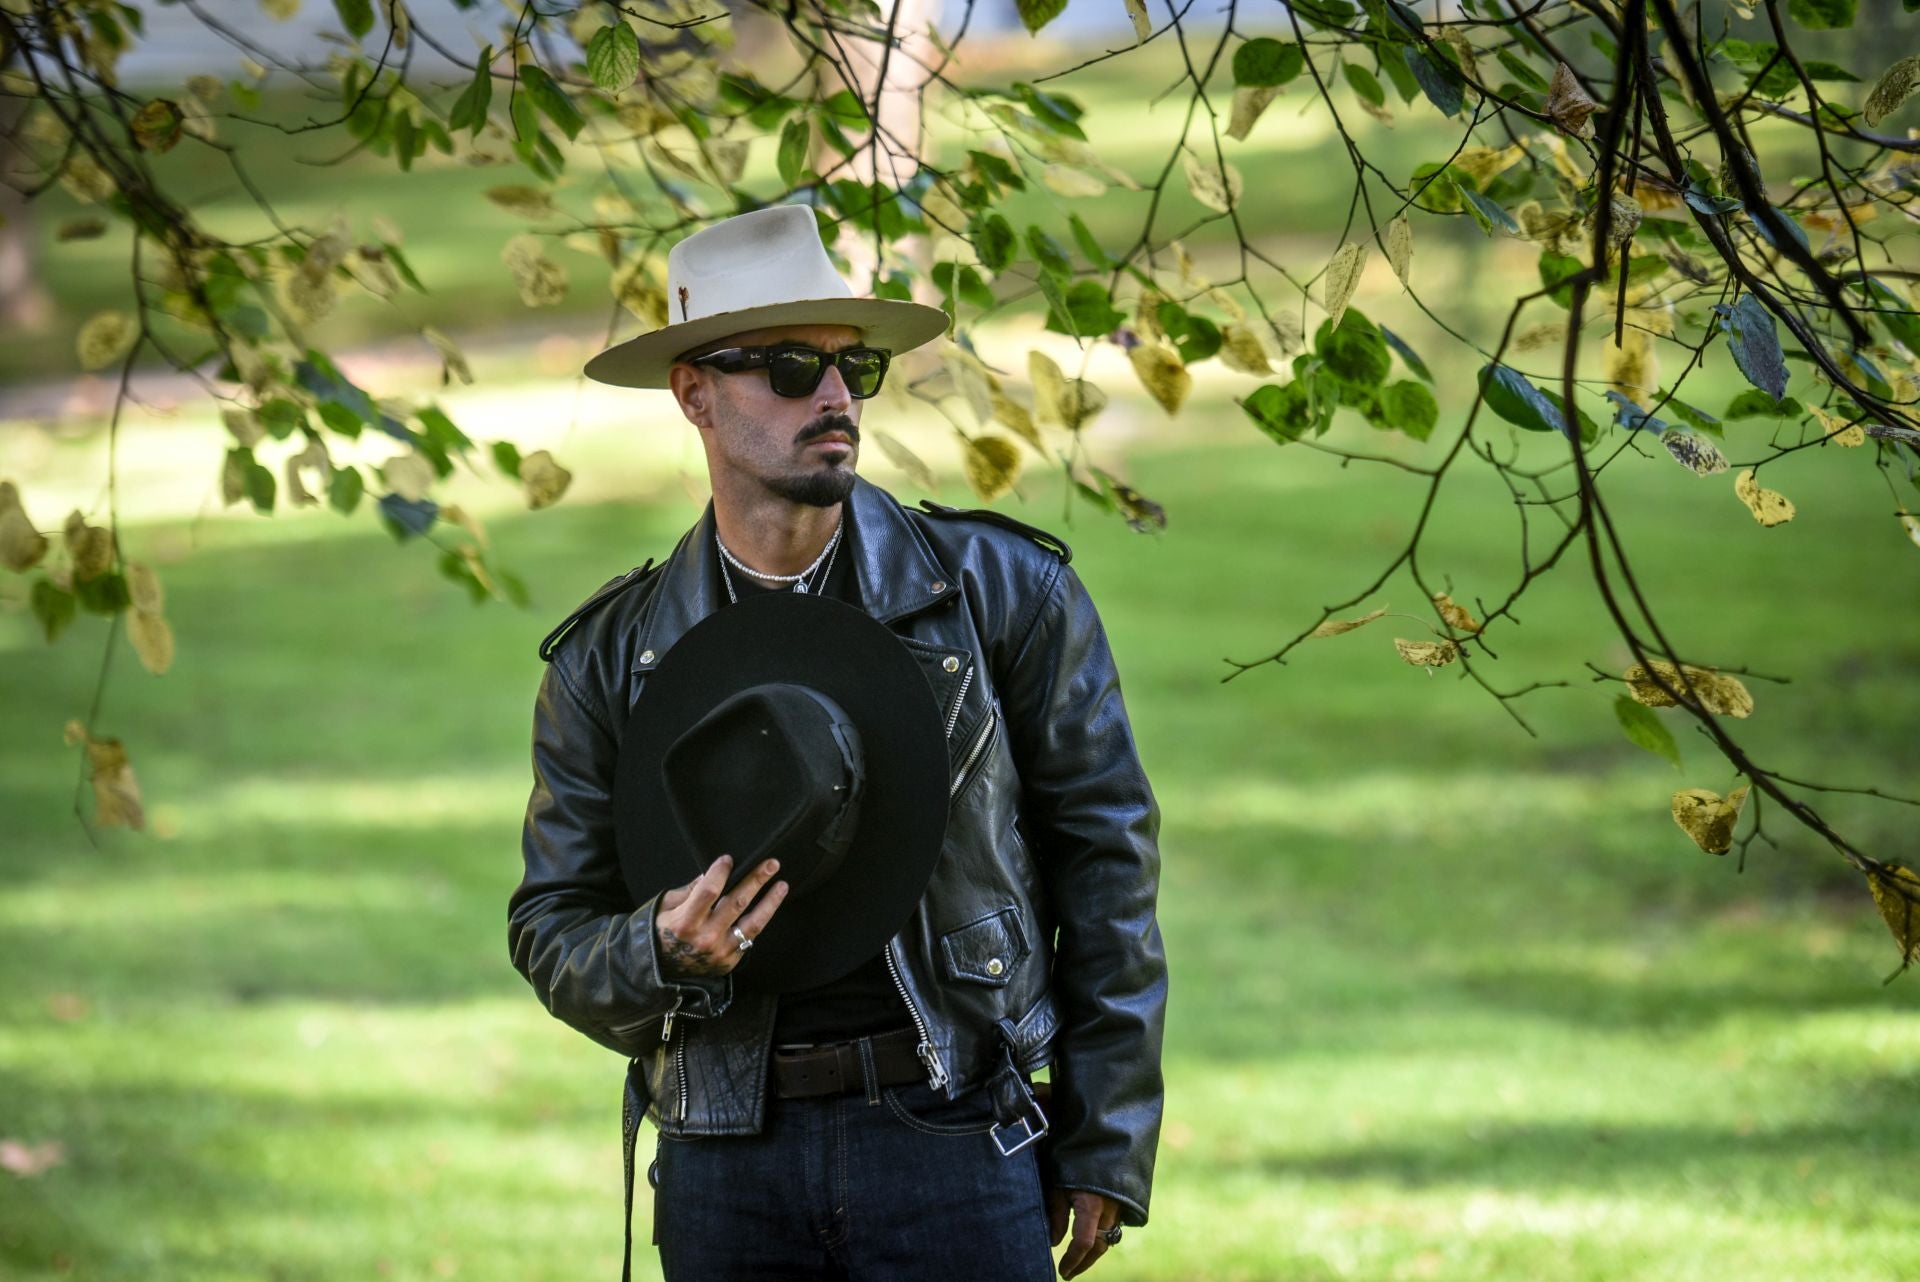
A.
pixel 838 1069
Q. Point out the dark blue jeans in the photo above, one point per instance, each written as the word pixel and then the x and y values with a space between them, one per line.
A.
pixel 897 1183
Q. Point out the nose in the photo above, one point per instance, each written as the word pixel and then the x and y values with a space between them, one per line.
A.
pixel 831 396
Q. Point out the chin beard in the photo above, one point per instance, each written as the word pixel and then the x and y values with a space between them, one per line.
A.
pixel 815 489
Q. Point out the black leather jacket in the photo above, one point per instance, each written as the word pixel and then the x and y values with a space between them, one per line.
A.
pixel 1037 931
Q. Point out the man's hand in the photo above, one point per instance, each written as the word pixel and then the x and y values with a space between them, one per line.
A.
pixel 1092 1215
pixel 695 922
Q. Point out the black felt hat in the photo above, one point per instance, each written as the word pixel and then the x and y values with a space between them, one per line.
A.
pixel 793 727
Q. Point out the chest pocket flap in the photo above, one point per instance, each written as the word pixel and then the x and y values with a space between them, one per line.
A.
pixel 986 951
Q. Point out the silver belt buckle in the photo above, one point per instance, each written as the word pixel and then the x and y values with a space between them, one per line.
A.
pixel 1026 1125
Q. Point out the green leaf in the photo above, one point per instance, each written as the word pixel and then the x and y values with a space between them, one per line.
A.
pixel 1356 353
pixel 1439 81
pixel 1410 407
pixel 1194 337
pixel 1698 419
pixel 962 284
pixel 261 488
pixel 552 100
pixel 506 457
pixel 355 15
pixel 103 594
pixel 1822 15
pixel 1488 214
pixel 1644 727
pixel 993 240
pixel 1083 310
pixel 1091 249
pixel 1050 254
pixel 470 108
pixel 344 490
pixel 1754 403
pixel 1895 313
pixel 1514 398
pixel 1263 61
pixel 54 608
pixel 1555 268
pixel 1283 412
pixel 1035 14
pixel 407 518
pixel 795 139
pixel 1407 354
pixel 1754 344
pixel 1365 84
pixel 613 57
pixel 1520 71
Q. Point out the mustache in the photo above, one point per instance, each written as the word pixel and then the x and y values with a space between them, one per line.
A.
pixel 823 426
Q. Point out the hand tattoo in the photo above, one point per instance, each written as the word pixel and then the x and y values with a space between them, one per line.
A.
pixel 678 957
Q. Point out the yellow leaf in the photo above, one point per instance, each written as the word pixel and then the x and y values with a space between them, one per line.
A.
pixel 970 379
pixel 1708 818
pixel 85 180
pixel 1288 336
pixel 244 425
pixel 1554 230
pixel 116 793
pixel 1162 373
pixel 1456 615
pixel 1568 105
pixel 543 479
pixel 1896 84
pixel 993 464
pixel 1016 416
pixel 1249 104
pixel 1142 24
pixel 1206 181
pixel 1049 387
pixel 1065 180
pixel 89 547
pixel 409 475
pixel 1242 351
pixel 1343 273
pixel 467 521
pixel 1718 693
pixel 639 290
pixel 152 640
pixel 1633 367
pixel 21 543
pixel 280 10
pixel 905 459
pixel 726 158
pixel 1335 627
pixel 105 338
pixel 1426 654
pixel 535 203
pixel 1400 247
pixel 1535 337
pixel 452 358
pixel 315 459
pixel 1769 507
pixel 143 588
pixel 1911 524
pixel 1837 430
pixel 1482 163
pixel 233 479
pixel 1896 893
pixel 541 281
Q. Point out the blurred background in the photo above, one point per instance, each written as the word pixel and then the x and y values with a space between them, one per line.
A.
pixel 1451 997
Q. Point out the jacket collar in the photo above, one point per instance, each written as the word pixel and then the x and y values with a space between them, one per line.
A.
pixel 896 569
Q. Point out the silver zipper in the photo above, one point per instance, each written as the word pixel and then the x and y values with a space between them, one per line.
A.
pixel 973 753
pixel 680 1063
pixel 936 1071
pixel 953 717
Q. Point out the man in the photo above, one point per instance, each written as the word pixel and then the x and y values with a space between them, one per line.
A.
pixel 1035 942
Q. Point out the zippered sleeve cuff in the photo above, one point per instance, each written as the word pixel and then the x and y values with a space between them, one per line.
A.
pixel 694 996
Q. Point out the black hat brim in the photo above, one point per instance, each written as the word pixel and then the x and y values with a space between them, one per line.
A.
pixel 859 664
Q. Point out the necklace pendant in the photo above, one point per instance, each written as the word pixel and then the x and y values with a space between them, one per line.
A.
pixel 800 587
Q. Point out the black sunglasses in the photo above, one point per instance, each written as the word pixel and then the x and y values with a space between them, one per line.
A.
pixel 795 370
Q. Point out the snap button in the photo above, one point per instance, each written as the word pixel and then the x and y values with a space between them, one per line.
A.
pixel 995 966
pixel 646 656
pixel 938 585
pixel 950 663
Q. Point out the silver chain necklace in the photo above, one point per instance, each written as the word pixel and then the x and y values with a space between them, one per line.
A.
pixel 802 582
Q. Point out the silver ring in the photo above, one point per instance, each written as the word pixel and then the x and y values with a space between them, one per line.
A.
pixel 741 935
pixel 1111 1236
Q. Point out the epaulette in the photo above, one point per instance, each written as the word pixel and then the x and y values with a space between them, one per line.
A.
pixel 613 587
pixel 1051 542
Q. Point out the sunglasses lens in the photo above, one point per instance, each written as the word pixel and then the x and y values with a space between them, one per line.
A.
pixel 863 368
pixel 794 372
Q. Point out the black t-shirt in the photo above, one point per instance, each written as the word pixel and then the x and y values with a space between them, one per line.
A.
pixel 864 1000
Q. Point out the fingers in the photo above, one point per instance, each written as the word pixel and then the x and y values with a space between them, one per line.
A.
pixel 695 930
pixel 1056 1215
pixel 1091 1214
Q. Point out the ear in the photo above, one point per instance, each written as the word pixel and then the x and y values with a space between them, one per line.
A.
pixel 694 390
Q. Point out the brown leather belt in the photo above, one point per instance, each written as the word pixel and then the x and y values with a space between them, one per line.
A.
pixel 838 1069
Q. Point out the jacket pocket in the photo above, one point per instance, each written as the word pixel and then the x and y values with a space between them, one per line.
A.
pixel 986 951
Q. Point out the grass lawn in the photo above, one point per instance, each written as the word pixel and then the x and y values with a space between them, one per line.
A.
pixel 1449 1001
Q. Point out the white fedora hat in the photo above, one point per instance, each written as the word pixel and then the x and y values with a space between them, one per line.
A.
pixel 758 269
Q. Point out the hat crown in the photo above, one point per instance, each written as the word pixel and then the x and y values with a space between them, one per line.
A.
pixel 757 259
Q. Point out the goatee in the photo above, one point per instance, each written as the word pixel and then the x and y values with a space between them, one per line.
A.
pixel 815 489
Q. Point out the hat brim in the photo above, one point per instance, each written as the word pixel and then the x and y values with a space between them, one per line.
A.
pixel 859 664
pixel 889 323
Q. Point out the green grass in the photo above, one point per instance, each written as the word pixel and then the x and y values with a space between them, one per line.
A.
pixel 1449 1001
